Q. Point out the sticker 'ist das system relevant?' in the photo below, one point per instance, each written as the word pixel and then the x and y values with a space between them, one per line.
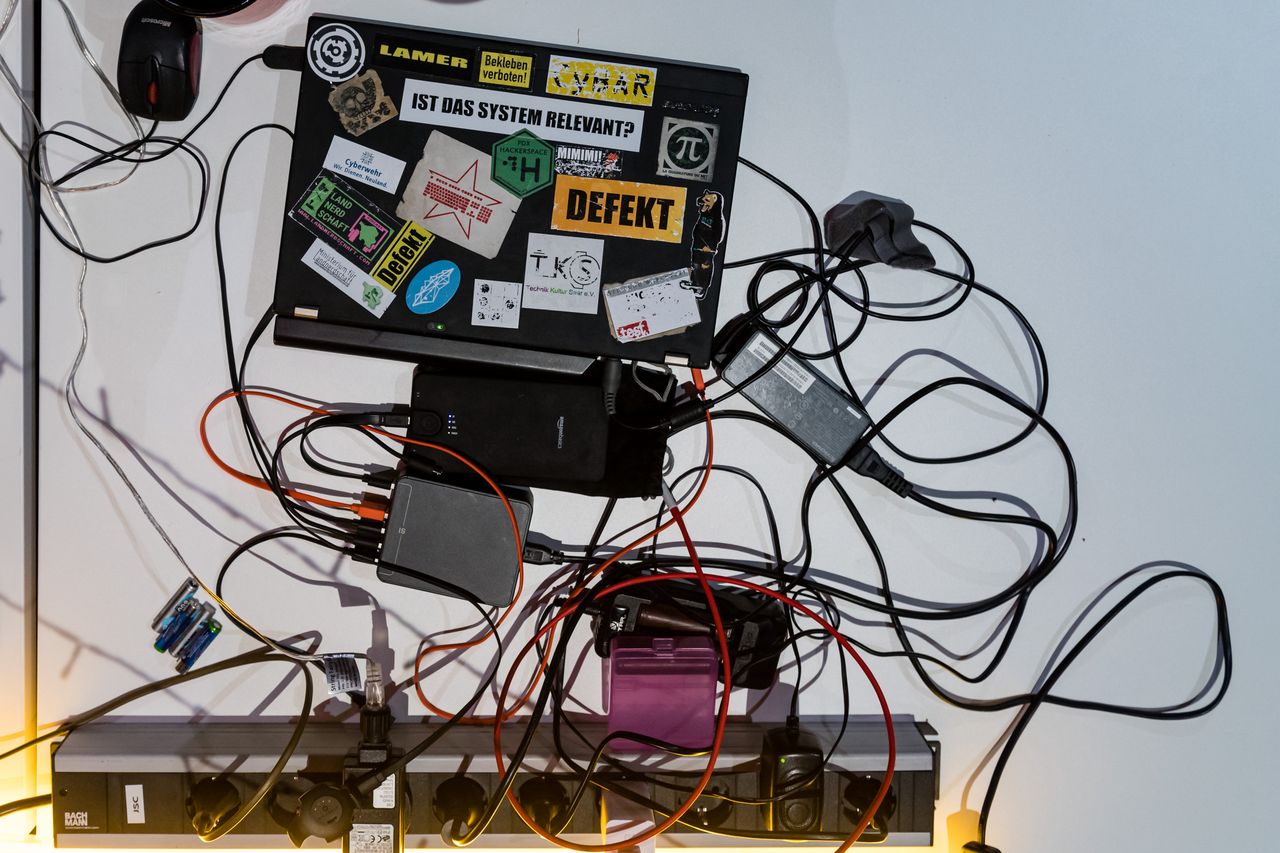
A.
pixel 493 111
pixel 619 209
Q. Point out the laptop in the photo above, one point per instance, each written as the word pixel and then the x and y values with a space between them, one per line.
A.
pixel 480 199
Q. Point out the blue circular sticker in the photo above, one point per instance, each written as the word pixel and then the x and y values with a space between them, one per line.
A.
pixel 433 287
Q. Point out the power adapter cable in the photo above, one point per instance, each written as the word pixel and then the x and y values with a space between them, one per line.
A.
pixel 867 462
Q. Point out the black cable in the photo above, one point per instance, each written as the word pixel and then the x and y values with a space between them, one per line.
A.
pixel 25 804
pixel 256 656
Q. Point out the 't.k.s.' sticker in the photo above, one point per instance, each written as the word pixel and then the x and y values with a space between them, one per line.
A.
pixel 335 52
pixel 433 287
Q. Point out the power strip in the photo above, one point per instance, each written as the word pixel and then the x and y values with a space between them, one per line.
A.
pixel 126 784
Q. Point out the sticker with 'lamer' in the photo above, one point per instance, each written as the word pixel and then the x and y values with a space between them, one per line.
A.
pixel 341 217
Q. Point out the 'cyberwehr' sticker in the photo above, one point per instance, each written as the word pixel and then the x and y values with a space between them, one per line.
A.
pixel 583 162
pixel 688 149
pixel 433 287
pixel 593 80
pixel 342 217
pixel 494 111
pixel 452 194
pixel 335 52
pixel 708 234
pixel 496 304
pixel 563 273
pixel 361 103
pixel 374 168
pixel 619 209
pixel 330 265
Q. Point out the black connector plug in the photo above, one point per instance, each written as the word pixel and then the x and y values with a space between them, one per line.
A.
pixel 686 413
pixel 283 57
pixel 611 382
pixel 541 555
pixel 869 464
pixel 979 847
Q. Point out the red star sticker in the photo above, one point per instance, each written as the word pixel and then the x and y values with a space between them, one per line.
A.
pixel 458 200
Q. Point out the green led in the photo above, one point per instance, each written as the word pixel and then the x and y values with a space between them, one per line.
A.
pixel 437 327
pixel 782 761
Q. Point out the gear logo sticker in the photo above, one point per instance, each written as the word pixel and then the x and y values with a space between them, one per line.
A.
pixel 335 52
pixel 433 287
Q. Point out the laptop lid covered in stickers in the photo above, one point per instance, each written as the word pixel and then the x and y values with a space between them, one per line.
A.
pixel 455 195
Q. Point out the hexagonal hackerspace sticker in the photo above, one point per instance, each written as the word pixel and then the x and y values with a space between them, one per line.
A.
pixel 522 163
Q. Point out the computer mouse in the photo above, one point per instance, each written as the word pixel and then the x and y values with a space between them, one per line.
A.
pixel 159 70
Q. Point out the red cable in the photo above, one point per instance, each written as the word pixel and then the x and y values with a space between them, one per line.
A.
pixel 733 581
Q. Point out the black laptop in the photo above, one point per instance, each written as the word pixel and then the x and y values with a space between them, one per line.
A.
pixel 483 199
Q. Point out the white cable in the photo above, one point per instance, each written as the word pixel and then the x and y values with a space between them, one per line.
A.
pixel 70 391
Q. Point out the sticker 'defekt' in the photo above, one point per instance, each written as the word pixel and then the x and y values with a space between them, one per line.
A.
pixel 361 103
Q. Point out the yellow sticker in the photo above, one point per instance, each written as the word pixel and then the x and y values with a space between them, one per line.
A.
pixel 619 208
pixel 601 81
pixel 398 261
pixel 506 69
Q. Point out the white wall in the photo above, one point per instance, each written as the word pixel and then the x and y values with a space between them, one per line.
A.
pixel 15 775
pixel 1109 166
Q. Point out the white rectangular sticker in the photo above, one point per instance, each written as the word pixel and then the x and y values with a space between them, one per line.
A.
pixel 135 805
pixel 452 195
pixel 799 378
pixel 563 273
pixel 384 796
pixel 446 105
pixel 371 838
pixel 349 278
pixel 353 160
pixel 651 306
pixel 496 304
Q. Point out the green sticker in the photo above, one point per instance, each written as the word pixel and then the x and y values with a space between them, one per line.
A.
pixel 522 163
pixel 343 218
